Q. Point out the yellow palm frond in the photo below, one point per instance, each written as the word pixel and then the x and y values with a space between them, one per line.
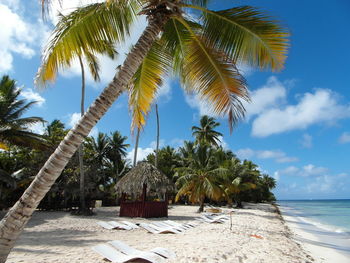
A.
pixel 89 30
pixel 246 35
pixel 214 78
pixel 146 82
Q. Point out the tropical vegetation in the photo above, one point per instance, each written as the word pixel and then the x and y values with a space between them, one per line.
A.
pixel 181 38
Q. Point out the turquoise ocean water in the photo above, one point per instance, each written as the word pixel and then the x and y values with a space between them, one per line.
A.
pixel 330 215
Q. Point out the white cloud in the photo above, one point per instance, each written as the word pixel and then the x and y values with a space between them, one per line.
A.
pixel 305 171
pixel 38 128
pixel 75 117
pixel 270 95
pixel 306 141
pixel 18 36
pixel 323 184
pixel 153 144
pixel 195 102
pixel 344 138
pixel 277 155
pixel 141 153
pixel 31 95
pixel 322 106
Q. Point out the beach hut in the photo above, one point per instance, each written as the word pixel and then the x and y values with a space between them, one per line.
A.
pixel 138 189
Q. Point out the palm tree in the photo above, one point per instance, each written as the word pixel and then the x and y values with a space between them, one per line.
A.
pixel 206 133
pixel 14 129
pixel 236 180
pixel 66 59
pixel 200 178
pixel 157 145
pixel 202 56
pixel 117 146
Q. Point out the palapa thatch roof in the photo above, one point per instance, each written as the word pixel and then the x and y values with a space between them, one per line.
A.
pixel 143 173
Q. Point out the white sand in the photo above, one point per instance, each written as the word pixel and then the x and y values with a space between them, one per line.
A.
pixel 324 246
pixel 60 237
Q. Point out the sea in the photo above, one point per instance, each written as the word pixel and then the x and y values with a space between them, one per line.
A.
pixel 327 220
pixel 330 215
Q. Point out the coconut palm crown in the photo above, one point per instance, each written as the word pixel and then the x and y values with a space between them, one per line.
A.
pixel 15 129
pixel 192 48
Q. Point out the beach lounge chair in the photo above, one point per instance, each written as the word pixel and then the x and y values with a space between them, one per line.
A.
pixel 211 221
pixel 166 225
pixel 134 226
pixel 112 254
pixel 113 225
pixel 156 230
pixel 128 250
pixel 223 217
pixel 176 224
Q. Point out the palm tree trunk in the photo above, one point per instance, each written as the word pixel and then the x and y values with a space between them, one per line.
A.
pixel 136 146
pixel 157 147
pixel 81 149
pixel 201 205
pixel 15 220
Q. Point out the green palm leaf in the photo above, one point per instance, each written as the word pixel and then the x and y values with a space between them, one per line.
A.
pixel 213 77
pixel 145 83
pixel 246 35
pixel 89 30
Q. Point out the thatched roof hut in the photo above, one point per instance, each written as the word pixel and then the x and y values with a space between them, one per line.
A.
pixel 142 174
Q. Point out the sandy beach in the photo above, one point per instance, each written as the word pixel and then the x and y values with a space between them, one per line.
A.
pixel 60 237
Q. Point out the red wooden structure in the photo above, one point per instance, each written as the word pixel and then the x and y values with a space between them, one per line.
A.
pixel 143 208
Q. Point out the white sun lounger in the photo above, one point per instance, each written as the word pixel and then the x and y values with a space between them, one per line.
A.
pixel 113 225
pixel 223 217
pixel 184 225
pixel 166 225
pixel 119 225
pixel 134 226
pixel 211 221
pixel 112 254
pixel 126 249
pixel 157 230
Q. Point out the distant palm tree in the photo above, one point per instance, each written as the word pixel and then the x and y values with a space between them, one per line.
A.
pixel 201 46
pixel 200 178
pixel 14 129
pixel 206 133
pixel 117 146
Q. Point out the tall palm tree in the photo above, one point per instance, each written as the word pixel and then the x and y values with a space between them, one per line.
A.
pixel 202 56
pixel 200 178
pixel 13 128
pixel 206 133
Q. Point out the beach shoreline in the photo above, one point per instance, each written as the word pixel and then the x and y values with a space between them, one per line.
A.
pixel 324 246
pixel 257 234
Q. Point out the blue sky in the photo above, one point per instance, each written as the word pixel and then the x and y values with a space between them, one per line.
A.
pixel 297 126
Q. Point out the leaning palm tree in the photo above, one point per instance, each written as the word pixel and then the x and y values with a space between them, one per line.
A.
pixel 13 128
pixel 206 133
pixel 202 50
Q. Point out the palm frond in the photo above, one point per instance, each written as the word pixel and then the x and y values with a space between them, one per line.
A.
pixel 214 78
pixel 146 82
pixel 87 30
pixel 247 35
